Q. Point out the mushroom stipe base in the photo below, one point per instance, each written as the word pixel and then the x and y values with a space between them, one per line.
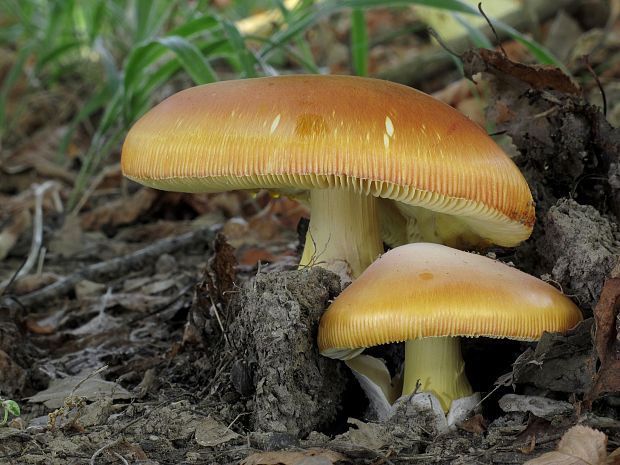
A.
pixel 435 364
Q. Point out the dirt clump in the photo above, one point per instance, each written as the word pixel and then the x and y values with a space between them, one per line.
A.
pixel 560 362
pixel 295 389
pixel 580 247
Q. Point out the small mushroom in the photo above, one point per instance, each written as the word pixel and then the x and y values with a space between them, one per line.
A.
pixel 339 143
pixel 429 295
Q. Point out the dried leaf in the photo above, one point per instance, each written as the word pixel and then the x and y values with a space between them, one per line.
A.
pixel 222 266
pixel 33 282
pixel 92 388
pixel 36 328
pixel 319 456
pixel 370 435
pixel 131 451
pixel 38 152
pixel 536 76
pixel 476 424
pixel 289 212
pixel 459 95
pixel 580 445
pixel 607 340
pixel 264 225
pixel 614 458
pixel 120 212
pixel 537 405
pixel 210 433
pixel 69 239
pixel 251 256
pixel 536 426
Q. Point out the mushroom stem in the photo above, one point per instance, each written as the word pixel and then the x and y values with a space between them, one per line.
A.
pixel 436 362
pixel 343 231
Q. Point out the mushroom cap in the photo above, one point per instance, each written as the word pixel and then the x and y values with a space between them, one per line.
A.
pixel 430 290
pixel 310 132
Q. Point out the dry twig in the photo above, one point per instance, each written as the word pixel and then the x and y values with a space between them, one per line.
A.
pixel 109 269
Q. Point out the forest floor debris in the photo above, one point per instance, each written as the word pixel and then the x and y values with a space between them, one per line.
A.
pixel 203 348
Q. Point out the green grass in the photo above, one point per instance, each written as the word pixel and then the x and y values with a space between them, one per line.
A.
pixel 135 47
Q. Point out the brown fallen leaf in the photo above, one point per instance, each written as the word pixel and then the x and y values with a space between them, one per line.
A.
pixel 229 203
pixel 251 256
pixel 33 282
pixel 222 266
pixel 35 328
pixel 293 457
pixel 289 212
pixel 120 212
pixel 215 290
pixel 607 340
pixel 536 427
pixel 476 424
pixel 37 153
pixel 580 445
pixel 536 76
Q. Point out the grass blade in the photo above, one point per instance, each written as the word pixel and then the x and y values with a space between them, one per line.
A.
pixel 359 42
pixel 56 54
pixel 148 53
pixel 191 59
pixel 246 58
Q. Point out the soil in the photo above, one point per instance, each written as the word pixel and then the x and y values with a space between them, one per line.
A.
pixel 151 339
pixel 256 383
pixel 296 391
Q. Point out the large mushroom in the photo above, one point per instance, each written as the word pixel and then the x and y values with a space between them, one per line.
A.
pixel 340 142
pixel 429 295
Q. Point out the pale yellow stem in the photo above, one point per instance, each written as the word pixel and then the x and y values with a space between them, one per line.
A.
pixel 343 231
pixel 437 364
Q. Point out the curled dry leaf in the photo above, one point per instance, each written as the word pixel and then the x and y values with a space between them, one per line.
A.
pixel 607 340
pixel 222 266
pixel 34 282
pixel 476 424
pixel 536 76
pixel 580 445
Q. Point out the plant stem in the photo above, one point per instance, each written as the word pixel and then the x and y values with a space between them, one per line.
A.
pixel 436 363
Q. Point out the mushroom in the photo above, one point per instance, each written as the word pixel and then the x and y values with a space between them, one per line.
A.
pixel 339 142
pixel 427 295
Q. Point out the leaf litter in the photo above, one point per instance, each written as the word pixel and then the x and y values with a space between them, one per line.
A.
pixel 226 371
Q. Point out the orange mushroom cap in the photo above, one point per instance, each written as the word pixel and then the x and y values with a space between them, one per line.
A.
pixel 311 132
pixel 423 290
